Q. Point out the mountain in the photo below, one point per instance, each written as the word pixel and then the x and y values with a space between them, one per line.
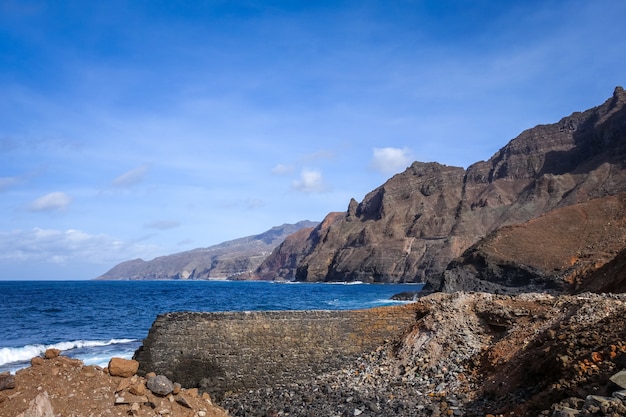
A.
pixel 416 224
pixel 225 260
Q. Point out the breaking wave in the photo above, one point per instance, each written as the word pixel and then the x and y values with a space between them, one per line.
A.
pixel 25 353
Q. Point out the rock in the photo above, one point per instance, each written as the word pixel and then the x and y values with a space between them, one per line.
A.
pixel 183 400
pixel 128 398
pixel 160 385
pixel 138 388
pixel 7 381
pixel 177 388
pixel 124 384
pixel 36 361
pixel 620 395
pixel 372 406
pixel 566 412
pixel 123 367
pixel 39 407
pixel 406 296
pixel 52 353
pixel 619 379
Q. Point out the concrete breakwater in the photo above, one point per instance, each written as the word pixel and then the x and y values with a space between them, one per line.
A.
pixel 231 351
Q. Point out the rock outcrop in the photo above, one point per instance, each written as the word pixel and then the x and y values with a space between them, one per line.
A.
pixel 560 251
pixel 227 260
pixel 474 354
pixel 412 227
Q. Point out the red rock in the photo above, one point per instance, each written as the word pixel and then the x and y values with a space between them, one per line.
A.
pixel 52 353
pixel 36 361
pixel 123 367
pixel 7 381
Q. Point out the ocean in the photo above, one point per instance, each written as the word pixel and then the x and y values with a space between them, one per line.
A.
pixel 97 320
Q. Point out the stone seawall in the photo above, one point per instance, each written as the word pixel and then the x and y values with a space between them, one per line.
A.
pixel 221 352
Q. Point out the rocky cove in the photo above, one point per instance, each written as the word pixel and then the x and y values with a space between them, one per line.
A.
pixel 457 354
pixel 463 354
pixel 525 255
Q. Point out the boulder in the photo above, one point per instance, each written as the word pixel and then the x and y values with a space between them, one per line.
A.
pixel 160 385
pixel 7 381
pixel 123 367
pixel 619 379
pixel 39 407
pixel 36 361
pixel 52 353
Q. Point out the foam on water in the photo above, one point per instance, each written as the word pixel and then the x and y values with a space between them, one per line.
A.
pixel 8 355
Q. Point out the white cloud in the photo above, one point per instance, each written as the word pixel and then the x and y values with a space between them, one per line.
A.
pixel 281 169
pixel 163 224
pixel 390 160
pixel 310 182
pixel 68 246
pixel 132 177
pixel 51 202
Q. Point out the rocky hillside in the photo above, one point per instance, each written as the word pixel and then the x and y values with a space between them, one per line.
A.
pixel 476 354
pixel 560 251
pixel 60 386
pixel 413 226
pixel 225 260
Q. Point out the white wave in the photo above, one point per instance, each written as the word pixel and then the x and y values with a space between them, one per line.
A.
pixel 388 301
pixel 25 353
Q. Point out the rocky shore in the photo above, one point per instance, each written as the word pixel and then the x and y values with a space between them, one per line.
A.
pixel 468 354
pixel 475 354
pixel 57 386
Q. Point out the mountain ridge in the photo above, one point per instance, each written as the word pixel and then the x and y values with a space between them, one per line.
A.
pixel 414 225
pixel 225 260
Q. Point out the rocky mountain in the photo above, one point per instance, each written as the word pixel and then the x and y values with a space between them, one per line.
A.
pixel 559 251
pixel 225 260
pixel 412 227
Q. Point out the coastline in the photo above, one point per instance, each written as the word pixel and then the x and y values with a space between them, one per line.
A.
pixel 467 354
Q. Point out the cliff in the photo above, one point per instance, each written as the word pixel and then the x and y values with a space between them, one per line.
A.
pixel 561 251
pixel 413 226
pixel 225 260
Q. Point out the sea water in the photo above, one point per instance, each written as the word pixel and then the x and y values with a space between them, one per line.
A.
pixel 97 320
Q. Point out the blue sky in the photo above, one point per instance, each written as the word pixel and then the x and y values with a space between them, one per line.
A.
pixel 134 129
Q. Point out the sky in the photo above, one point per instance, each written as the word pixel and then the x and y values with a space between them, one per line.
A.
pixel 141 128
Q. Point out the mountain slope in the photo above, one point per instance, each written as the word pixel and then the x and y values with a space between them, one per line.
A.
pixel 225 260
pixel 410 228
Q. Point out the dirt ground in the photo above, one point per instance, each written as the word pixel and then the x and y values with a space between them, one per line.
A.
pixel 76 390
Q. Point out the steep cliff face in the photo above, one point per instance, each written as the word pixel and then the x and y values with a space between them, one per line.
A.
pixel 414 225
pixel 225 260
pixel 559 251
pixel 283 261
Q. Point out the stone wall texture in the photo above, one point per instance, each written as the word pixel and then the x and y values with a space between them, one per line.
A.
pixel 231 351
